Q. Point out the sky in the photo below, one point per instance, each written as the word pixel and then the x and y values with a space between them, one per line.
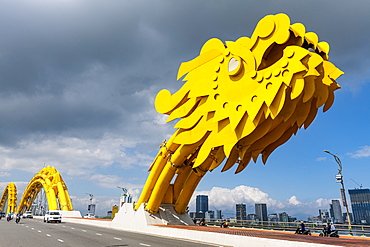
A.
pixel 78 81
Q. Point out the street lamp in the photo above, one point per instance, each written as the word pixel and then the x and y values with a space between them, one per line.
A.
pixel 123 189
pixel 339 179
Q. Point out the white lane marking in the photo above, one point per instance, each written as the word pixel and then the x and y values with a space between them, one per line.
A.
pixel 99 234
pixel 64 226
pixel 33 228
pixel 60 240
pixel 84 230
pixel 72 228
pixel 38 230
pixel 144 244
pixel 48 235
pixel 26 226
pixel 118 238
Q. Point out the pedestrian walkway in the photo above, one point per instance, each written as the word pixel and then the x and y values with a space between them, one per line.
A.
pixel 348 241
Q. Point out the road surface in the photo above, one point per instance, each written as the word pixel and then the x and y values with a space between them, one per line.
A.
pixel 36 233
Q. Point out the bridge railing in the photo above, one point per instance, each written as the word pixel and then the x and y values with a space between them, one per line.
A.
pixel 343 229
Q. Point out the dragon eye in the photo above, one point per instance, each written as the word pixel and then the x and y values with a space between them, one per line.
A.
pixel 235 65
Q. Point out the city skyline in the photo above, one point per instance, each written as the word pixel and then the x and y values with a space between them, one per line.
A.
pixel 77 93
pixel 334 213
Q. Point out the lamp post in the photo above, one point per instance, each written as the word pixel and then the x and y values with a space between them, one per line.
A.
pixel 339 179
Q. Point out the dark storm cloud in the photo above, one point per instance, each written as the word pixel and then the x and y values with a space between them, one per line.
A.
pixel 78 67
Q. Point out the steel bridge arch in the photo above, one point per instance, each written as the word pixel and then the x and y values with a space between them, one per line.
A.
pixel 10 195
pixel 55 190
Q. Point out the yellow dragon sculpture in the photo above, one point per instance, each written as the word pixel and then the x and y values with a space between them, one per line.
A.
pixel 240 99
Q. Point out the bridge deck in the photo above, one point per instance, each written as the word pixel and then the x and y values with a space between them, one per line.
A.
pixel 348 241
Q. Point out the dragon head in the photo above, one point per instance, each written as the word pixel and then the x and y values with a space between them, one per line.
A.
pixel 244 98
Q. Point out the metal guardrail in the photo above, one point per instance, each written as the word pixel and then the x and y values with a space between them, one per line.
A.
pixel 357 230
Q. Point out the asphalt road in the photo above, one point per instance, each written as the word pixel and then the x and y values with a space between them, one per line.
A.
pixel 36 233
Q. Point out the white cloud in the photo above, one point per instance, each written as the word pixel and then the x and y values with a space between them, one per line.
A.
pixel 364 151
pixel 320 158
pixel 72 156
pixel 293 200
pixel 111 181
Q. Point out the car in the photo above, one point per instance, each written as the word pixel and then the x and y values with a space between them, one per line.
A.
pixel 27 214
pixel 89 216
pixel 53 216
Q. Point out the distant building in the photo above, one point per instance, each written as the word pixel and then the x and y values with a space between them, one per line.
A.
pixel 292 219
pixel 231 220
pixel 314 219
pixel 273 217
pixel 91 209
pixel 324 215
pixel 241 211
pixel 283 217
pixel 218 214
pixel 251 217
pixel 197 215
pixel 192 215
pixel 209 215
pixel 201 203
pixel 261 211
pixel 360 202
pixel 336 211
pixel 350 216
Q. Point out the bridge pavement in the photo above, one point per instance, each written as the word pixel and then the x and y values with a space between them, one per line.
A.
pixel 240 237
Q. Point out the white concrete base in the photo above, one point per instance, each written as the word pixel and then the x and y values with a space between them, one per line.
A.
pixel 74 214
pixel 128 218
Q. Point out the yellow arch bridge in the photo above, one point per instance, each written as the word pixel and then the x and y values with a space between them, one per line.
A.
pixel 50 180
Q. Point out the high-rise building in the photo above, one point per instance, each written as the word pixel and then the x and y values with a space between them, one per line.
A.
pixel 336 211
pixel 261 211
pixel 241 211
pixel 360 202
pixel 201 203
